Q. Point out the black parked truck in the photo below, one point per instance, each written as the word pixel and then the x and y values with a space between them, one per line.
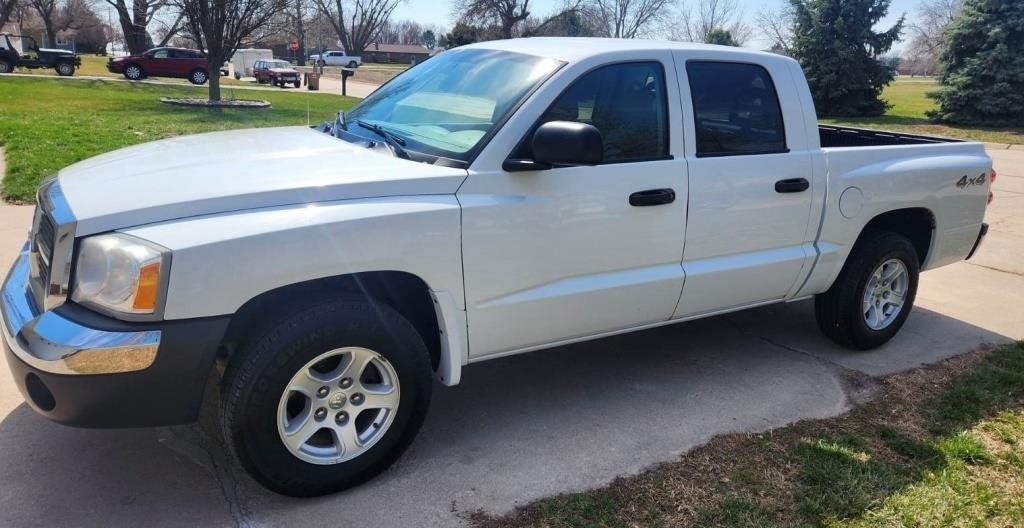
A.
pixel 62 61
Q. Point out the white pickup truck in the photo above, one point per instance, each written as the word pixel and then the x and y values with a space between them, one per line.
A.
pixel 499 198
pixel 336 58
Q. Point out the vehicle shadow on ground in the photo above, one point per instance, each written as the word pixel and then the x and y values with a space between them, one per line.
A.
pixel 516 429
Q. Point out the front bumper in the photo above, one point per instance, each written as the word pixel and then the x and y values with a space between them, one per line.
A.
pixel 78 367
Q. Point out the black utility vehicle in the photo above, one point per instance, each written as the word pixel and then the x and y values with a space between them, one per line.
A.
pixel 62 61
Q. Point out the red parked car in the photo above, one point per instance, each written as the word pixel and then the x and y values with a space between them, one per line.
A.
pixel 276 72
pixel 163 62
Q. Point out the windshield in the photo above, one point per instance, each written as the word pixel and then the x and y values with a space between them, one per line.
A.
pixel 446 105
pixel 278 64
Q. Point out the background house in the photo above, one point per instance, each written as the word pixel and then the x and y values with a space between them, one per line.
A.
pixel 396 53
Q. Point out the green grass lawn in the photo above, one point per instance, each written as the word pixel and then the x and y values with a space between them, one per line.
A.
pixel 48 124
pixel 909 104
pixel 941 446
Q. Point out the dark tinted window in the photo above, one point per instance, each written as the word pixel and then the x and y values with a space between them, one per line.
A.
pixel 161 54
pixel 736 109
pixel 626 102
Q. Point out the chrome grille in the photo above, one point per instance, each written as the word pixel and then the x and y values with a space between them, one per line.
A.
pixel 52 240
pixel 44 240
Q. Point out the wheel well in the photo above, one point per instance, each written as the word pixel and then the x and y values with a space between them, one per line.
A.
pixel 403 291
pixel 917 224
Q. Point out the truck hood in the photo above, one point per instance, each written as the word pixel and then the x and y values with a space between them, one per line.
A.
pixel 55 51
pixel 236 170
pixel 284 70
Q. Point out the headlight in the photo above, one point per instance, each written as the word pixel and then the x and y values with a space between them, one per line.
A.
pixel 119 273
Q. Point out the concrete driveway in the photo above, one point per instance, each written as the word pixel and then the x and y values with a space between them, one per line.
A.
pixel 523 427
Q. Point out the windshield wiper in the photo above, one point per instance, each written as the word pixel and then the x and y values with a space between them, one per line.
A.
pixel 396 142
pixel 339 121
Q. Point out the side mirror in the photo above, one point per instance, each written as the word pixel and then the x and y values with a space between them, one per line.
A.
pixel 568 143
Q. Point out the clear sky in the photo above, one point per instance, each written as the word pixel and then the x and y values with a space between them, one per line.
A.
pixel 438 12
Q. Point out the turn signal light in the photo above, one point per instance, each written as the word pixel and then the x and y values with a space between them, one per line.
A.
pixel 149 287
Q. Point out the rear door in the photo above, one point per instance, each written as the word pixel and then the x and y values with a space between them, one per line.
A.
pixel 748 237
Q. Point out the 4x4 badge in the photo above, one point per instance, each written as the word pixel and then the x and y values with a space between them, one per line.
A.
pixel 965 182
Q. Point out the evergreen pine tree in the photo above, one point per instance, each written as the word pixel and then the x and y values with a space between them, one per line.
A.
pixel 836 44
pixel 983 81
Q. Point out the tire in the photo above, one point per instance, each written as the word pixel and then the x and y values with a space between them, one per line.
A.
pixel 352 64
pixel 256 400
pixel 6 67
pixel 238 77
pixel 844 312
pixel 65 69
pixel 298 84
pixel 321 63
pixel 198 76
pixel 134 72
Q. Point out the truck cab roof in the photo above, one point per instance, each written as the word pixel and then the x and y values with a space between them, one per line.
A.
pixel 574 49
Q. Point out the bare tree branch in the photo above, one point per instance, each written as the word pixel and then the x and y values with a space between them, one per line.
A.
pixel 697 26
pixel 357 23
pixel 629 18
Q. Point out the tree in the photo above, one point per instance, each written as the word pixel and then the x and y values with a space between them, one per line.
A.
pixel 721 37
pixel 504 14
pixel 628 18
pixel 777 27
pixel 983 80
pixel 429 39
pixel 567 23
pixel 7 7
pixel 712 15
pixel 134 19
pixel 928 34
pixel 460 35
pixel 49 16
pixel 220 27
pixel 357 23
pixel 838 49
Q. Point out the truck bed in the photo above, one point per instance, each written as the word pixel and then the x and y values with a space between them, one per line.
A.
pixel 837 136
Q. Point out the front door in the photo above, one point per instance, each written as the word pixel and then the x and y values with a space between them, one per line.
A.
pixel 747 236
pixel 552 255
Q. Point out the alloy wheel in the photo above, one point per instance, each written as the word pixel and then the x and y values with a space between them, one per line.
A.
pixel 337 406
pixel 885 293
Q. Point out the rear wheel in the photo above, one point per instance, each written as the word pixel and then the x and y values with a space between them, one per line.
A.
pixel 198 76
pixel 5 66
pixel 321 63
pixel 327 397
pixel 874 293
pixel 133 72
pixel 352 64
pixel 65 69
pixel 298 83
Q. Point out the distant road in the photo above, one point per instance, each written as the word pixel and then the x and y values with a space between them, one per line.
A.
pixel 328 84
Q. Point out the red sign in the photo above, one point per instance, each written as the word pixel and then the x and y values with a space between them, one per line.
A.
pixel 294 45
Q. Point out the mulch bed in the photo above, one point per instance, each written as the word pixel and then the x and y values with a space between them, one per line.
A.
pixel 206 103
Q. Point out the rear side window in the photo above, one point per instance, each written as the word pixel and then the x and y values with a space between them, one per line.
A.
pixel 626 102
pixel 736 109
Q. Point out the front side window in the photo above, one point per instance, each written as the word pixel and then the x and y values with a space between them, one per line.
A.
pixel 160 54
pixel 445 106
pixel 736 109
pixel 626 102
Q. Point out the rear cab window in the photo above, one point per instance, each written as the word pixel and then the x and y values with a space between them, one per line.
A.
pixel 736 109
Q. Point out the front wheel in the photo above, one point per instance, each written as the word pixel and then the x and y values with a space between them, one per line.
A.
pixel 133 72
pixel 326 397
pixel 352 64
pixel 65 69
pixel 5 67
pixel 874 293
